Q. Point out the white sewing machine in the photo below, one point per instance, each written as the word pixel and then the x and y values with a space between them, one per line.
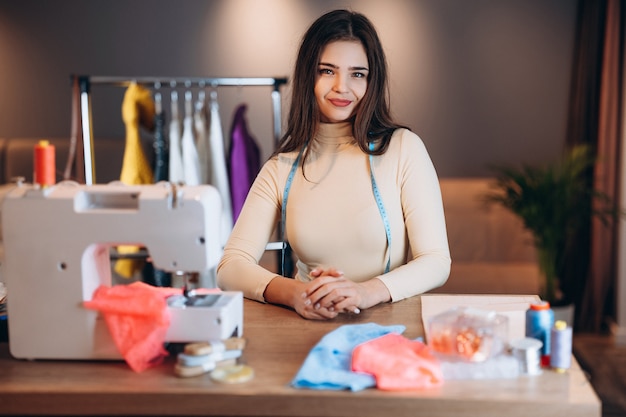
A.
pixel 57 243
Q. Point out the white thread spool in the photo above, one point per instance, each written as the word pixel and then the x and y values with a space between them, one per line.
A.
pixel 528 353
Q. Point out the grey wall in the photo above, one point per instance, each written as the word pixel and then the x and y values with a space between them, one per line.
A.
pixel 481 81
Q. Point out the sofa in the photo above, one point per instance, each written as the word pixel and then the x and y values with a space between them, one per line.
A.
pixel 491 251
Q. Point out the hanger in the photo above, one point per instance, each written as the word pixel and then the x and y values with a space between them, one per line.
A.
pixel 158 105
pixel 174 101
pixel 213 94
pixel 188 103
pixel 200 103
pixel 188 99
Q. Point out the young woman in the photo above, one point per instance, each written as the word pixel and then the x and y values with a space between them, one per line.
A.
pixel 356 193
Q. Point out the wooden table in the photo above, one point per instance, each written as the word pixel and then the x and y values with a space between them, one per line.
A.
pixel 278 342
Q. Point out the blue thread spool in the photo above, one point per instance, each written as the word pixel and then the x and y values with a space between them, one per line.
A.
pixel 561 346
pixel 539 322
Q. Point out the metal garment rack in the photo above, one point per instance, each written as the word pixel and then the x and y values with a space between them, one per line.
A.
pixel 85 83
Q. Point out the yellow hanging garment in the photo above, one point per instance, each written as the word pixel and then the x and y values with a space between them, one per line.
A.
pixel 137 110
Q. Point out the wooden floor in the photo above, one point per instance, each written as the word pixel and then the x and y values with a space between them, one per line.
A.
pixel 605 364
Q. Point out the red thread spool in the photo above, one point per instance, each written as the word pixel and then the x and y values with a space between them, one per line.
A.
pixel 45 164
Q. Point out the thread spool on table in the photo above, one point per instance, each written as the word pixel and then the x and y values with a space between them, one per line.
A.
pixel 44 164
pixel 561 346
pixel 539 322
pixel 528 353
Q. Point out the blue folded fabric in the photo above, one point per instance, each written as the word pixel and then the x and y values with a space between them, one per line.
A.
pixel 328 364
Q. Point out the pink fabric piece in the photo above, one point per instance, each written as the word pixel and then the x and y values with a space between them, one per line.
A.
pixel 138 319
pixel 398 363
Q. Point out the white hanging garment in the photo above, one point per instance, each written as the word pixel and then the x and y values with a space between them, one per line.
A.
pixel 191 167
pixel 176 173
pixel 219 173
pixel 202 138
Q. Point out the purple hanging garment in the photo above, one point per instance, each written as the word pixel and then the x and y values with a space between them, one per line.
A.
pixel 244 160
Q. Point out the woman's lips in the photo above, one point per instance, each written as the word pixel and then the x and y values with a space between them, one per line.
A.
pixel 340 102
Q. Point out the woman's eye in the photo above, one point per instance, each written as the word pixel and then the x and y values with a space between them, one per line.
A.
pixel 358 75
pixel 325 71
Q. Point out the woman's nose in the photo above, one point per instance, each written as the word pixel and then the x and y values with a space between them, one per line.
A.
pixel 340 84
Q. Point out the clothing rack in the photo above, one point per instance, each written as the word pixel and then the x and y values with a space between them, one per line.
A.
pixel 86 81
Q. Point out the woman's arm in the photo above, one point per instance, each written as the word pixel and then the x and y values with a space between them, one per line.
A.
pixel 239 268
pixel 429 264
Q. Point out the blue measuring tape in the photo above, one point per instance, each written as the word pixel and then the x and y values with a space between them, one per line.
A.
pixel 381 209
pixel 283 214
pixel 379 203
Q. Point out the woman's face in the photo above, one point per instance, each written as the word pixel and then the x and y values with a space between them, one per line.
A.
pixel 341 80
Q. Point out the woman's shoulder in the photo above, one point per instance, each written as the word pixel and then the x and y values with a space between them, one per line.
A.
pixel 404 139
pixel 284 161
pixel 279 165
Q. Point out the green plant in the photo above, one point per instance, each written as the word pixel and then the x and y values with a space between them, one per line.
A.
pixel 555 202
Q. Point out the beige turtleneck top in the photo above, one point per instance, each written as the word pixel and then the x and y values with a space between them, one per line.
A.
pixel 332 218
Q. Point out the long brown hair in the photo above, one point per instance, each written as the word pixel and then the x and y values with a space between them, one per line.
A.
pixel 373 121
